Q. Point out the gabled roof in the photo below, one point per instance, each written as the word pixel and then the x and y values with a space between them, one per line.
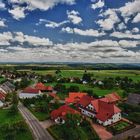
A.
pixel 113 97
pixel 85 100
pixel 31 90
pixel 49 88
pixel 104 110
pixel 40 86
pixel 62 112
pixel 74 97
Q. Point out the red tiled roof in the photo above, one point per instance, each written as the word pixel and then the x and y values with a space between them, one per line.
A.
pixel 62 112
pixel 2 96
pixel 54 95
pixel 105 110
pixel 85 100
pixel 49 88
pixel 30 90
pixel 74 97
pixel 40 86
pixel 113 97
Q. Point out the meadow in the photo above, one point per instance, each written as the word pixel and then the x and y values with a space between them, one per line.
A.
pixel 98 74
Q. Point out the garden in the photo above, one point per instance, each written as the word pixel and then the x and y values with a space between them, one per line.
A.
pixel 120 127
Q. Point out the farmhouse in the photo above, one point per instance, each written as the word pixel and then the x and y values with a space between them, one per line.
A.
pixel 113 97
pixel 74 97
pixel 59 115
pixel 29 92
pixel 102 110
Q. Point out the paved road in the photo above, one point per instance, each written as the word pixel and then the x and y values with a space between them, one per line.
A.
pixel 38 131
pixel 131 132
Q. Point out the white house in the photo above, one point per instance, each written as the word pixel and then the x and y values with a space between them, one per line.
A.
pixel 1 104
pixel 102 110
pixel 29 92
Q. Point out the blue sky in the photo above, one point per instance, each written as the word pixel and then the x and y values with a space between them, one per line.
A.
pixel 70 31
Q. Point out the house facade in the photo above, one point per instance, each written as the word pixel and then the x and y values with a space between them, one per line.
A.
pixel 59 115
pixel 29 92
pixel 105 112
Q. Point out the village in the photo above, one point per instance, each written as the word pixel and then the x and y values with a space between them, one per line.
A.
pixel 69 112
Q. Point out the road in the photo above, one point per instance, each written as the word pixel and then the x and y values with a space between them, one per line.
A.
pixel 38 131
pixel 131 132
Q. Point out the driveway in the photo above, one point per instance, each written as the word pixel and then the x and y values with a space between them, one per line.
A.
pixel 47 123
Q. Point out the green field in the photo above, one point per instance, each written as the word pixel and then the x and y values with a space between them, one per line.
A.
pixel 96 90
pixel 133 74
pixel 5 118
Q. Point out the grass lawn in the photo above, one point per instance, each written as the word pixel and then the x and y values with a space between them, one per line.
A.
pixel 134 74
pixel 6 118
pixel 41 116
pixel 96 90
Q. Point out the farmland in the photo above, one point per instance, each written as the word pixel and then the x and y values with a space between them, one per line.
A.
pixel 133 74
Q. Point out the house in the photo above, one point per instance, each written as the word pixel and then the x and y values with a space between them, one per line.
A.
pixel 102 110
pixel 1 104
pixel 133 99
pixel 113 97
pixel 2 99
pixel 40 86
pixel 7 87
pixel 59 115
pixel 29 92
pixel 74 97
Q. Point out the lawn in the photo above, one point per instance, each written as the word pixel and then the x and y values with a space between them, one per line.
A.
pixel 120 127
pixel 5 118
pixel 96 90
pixel 134 74
pixel 41 116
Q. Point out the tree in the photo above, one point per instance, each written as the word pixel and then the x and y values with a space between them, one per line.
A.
pixel 73 89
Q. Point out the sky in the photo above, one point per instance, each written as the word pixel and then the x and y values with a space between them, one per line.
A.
pixel 95 31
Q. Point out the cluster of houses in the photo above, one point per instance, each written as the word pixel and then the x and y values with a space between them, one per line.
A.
pixel 35 91
pixel 103 110
pixel 5 88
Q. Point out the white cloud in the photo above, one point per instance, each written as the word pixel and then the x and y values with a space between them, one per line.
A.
pixel 88 32
pixel 5 38
pixel 99 51
pixel 122 26
pixel 110 20
pixel 2 5
pixel 74 17
pixel 137 18
pixel 52 24
pixel 125 35
pixel 99 4
pixel 135 30
pixel 18 13
pixel 2 23
pixel 32 40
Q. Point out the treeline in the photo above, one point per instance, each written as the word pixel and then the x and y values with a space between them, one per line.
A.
pixel 72 66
